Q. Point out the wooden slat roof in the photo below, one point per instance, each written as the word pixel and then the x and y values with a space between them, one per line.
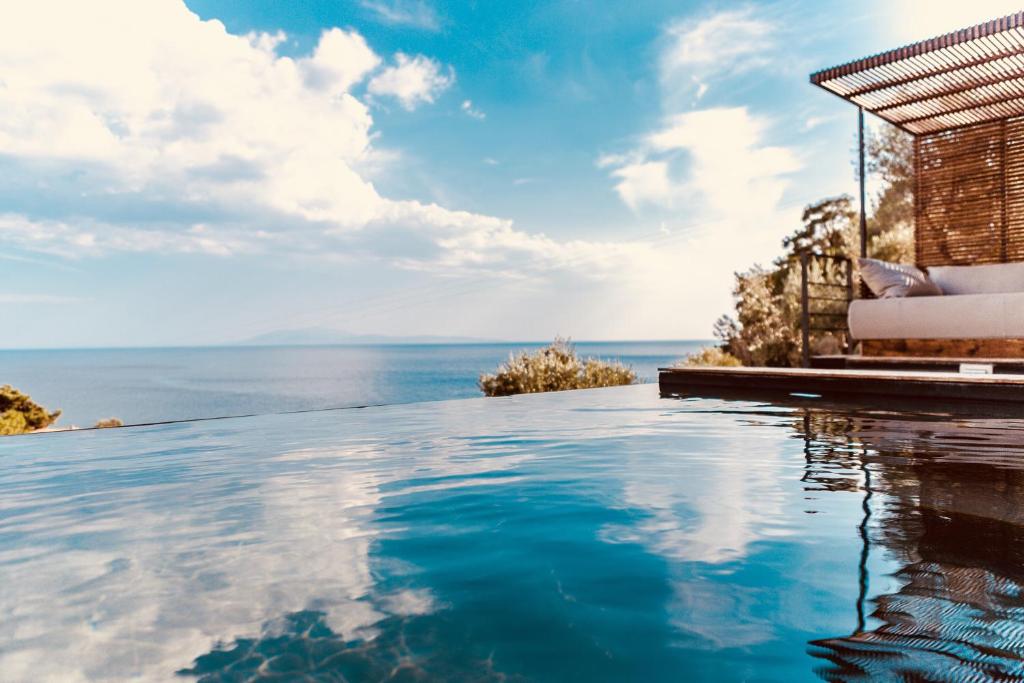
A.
pixel 969 76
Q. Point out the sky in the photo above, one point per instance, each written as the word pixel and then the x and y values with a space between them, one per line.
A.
pixel 206 171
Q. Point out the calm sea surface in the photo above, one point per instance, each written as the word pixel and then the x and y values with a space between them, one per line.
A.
pixel 152 385
pixel 603 535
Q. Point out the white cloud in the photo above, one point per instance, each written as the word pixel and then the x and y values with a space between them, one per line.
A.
pixel 177 112
pixel 341 59
pixel 728 158
pixel 813 122
pixel 414 13
pixel 701 49
pixel 471 111
pixel 86 237
pixel 722 165
pixel 708 178
pixel 177 136
pixel 412 80
pixel 267 42
pixel 644 182
pixel 713 168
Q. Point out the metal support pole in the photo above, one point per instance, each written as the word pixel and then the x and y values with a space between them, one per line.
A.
pixel 805 314
pixel 863 185
pixel 849 300
pixel 849 280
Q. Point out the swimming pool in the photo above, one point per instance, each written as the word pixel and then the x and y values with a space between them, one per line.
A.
pixel 596 535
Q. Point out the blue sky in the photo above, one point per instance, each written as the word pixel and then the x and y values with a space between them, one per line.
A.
pixel 175 174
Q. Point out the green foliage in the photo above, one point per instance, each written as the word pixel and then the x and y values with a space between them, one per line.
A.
pixel 766 328
pixel 20 414
pixel 829 227
pixel 107 423
pixel 712 356
pixel 895 244
pixel 891 223
pixel 554 368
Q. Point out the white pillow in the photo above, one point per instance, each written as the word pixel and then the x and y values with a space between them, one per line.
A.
pixel 895 280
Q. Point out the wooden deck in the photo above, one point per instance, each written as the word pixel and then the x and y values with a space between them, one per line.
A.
pixel 947 386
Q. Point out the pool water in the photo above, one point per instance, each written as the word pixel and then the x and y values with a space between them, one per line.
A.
pixel 604 535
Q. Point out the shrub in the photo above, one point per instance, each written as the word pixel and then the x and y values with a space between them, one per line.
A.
pixel 712 356
pixel 554 368
pixel 20 414
pixel 109 422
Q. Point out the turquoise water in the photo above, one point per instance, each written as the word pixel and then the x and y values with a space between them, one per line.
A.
pixel 153 385
pixel 606 535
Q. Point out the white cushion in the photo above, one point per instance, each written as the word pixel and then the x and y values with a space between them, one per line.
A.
pixel 993 278
pixel 969 316
pixel 889 280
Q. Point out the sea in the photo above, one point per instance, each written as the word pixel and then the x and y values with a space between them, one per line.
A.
pixel 146 385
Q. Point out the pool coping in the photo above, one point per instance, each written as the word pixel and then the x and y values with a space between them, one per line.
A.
pixel 951 386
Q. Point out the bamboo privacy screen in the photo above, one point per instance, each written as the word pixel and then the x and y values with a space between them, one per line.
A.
pixel 969 194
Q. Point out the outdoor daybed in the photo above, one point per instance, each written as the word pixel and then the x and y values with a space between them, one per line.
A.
pixel 961 97
pixel 981 307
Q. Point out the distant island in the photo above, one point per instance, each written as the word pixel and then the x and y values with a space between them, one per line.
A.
pixel 325 336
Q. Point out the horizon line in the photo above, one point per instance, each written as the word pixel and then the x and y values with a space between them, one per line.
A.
pixel 235 345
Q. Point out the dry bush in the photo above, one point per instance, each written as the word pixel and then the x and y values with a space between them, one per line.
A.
pixel 711 356
pixel 554 368
pixel 19 414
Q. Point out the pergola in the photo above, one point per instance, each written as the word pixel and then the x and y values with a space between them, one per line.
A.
pixel 961 96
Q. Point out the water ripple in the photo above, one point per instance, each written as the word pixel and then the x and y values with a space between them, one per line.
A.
pixel 601 535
